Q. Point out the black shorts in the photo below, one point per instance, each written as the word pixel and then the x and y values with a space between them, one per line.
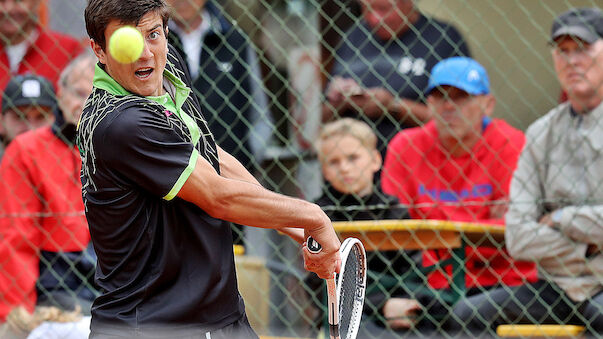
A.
pixel 238 329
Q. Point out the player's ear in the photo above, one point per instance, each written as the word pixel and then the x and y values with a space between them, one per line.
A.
pixel 98 51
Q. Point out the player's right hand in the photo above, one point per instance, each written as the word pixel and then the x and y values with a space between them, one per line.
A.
pixel 328 260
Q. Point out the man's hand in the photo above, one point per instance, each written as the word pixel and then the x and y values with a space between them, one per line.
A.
pixel 551 219
pixel 400 312
pixel 341 89
pixel 328 260
pixel 373 102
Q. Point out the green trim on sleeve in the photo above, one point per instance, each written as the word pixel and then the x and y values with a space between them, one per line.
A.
pixel 183 176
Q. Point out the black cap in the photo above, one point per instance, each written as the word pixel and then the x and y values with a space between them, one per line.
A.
pixel 583 23
pixel 28 90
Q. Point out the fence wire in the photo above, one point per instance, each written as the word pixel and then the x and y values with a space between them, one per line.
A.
pixel 276 80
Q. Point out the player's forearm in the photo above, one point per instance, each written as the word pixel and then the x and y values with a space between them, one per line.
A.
pixel 296 234
pixel 252 205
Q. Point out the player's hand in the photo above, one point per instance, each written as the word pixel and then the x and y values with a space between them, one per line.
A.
pixel 328 260
pixel 401 312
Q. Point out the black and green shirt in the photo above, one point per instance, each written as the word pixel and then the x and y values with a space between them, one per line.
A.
pixel 162 262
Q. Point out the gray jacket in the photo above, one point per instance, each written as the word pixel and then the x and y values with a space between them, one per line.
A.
pixel 561 167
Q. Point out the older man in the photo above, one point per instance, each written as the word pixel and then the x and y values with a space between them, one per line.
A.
pixel 556 212
pixel 457 167
pixel 158 192
pixel 44 252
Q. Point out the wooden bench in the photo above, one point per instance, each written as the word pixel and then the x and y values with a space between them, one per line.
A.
pixel 539 331
pixel 414 234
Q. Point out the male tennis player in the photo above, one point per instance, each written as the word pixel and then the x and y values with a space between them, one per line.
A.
pixel 158 192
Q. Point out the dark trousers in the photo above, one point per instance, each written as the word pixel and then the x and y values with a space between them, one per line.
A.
pixel 541 302
pixel 238 329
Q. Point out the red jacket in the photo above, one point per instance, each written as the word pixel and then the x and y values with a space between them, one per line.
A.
pixel 47 56
pixel 439 186
pixel 41 209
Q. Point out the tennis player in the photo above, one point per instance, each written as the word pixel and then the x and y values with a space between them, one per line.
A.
pixel 158 192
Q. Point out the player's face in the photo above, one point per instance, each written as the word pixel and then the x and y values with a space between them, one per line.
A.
pixel 22 119
pixel 17 17
pixel 579 67
pixel 389 17
pixel 458 115
pixel 145 75
pixel 72 95
pixel 348 165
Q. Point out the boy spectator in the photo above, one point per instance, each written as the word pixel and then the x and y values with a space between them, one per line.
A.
pixel 27 103
pixel 347 150
pixel 45 254
pixel 382 66
pixel 556 213
pixel 458 167
pixel 26 47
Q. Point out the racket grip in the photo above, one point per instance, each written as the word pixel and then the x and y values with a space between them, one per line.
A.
pixel 333 308
pixel 313 245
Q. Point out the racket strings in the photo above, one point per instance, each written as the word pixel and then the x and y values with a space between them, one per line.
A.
pixel 350 307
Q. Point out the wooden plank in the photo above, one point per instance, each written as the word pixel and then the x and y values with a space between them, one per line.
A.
pixel 420 234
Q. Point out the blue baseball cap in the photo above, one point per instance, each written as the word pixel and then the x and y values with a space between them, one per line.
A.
pixel 460 72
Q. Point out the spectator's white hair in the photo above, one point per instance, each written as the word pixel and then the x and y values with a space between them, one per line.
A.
pixel 85 56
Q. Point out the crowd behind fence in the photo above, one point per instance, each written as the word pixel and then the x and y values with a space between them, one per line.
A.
pixel 462 139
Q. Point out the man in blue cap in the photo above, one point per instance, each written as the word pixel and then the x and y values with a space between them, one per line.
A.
pixel 555 215
pixel 457 167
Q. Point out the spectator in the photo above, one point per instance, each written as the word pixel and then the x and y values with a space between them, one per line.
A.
pixel 347 150
pixel 382 66
pixel 27 102
pixel 226 77
pixel 458 167
pixel 556 213
pixel 45 254
pixel 46 322
pixel 26 47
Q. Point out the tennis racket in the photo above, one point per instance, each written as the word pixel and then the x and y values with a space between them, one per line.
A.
pixel 345 292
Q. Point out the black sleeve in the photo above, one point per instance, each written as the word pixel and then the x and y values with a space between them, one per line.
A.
pixel 140 147
pixel 459 44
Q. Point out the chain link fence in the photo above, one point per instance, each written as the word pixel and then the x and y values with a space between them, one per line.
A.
pixel 265 74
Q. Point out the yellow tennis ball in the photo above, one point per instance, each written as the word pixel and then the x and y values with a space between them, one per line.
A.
pixel 126 44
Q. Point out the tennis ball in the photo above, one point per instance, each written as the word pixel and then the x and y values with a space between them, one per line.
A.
pixel 126 44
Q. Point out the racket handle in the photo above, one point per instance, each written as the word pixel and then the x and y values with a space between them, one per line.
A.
pixel 333 308
pixel 313 245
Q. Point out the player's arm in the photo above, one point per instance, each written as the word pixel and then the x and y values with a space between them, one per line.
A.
pixel 232 168
pixel 250 204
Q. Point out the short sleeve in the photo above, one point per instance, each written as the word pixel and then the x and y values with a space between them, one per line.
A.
pixel 143 148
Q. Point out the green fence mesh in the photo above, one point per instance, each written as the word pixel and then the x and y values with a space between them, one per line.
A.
pixel 270 74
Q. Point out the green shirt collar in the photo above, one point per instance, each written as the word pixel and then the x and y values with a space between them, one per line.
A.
pixel 104 81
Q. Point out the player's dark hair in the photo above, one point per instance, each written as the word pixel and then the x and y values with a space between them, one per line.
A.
pixel 99 13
